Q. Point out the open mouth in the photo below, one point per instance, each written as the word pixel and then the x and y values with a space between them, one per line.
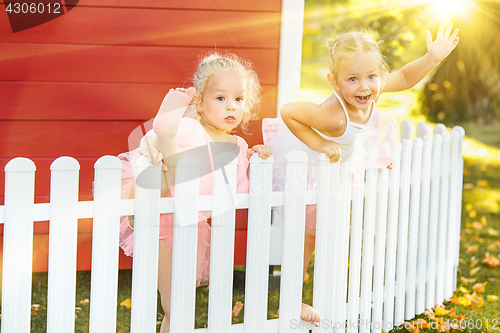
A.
pixel 362 99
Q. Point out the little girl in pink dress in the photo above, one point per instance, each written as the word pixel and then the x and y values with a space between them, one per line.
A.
pixel 226 90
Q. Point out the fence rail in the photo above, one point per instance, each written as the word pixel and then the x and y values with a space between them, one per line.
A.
pixel 393 238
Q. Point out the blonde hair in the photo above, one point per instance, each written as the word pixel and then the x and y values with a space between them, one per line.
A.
pixel 215 63
pixel 348 45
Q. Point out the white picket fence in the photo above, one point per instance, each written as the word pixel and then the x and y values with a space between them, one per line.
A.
pixel 393 239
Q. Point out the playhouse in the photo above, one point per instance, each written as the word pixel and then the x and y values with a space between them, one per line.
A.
pixel 80 84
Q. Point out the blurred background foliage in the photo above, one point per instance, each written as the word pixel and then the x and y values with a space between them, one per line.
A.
pixel 465 86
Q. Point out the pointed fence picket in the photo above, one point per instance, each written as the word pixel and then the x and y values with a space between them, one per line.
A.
pixel 378 237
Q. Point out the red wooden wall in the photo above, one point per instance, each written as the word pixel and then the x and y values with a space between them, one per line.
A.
pixel 79 84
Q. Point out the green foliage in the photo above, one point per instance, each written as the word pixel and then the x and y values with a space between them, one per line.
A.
pixel 396 27
pixel 466 84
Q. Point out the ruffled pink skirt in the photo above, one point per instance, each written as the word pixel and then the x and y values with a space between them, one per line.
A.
pixel 166 225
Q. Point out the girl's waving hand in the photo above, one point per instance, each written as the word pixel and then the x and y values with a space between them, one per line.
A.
pixel 444 43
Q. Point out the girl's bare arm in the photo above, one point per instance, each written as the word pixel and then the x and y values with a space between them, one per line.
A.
pixel 413 72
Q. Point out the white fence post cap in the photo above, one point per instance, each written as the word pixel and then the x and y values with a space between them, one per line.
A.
pixel 439 129
pixel 108 162
pixel 65 163
pixel 20 164
pixel 296 156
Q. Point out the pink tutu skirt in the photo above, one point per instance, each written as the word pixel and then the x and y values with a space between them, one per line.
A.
pixel 166 225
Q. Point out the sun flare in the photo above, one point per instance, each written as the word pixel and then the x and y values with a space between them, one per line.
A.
pixel 447 9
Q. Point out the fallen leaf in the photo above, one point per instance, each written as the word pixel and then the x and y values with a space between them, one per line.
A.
pixel 492 298
pixel 33 312
pixel 452 313
pixel 468 231
pixel 493 246
pixel 440 312
pixel 479 287
pixel 493 232
pixel 126 303
pixel 413 328
pixel 468 206
pixel 78 309
pixel 454 299
pixel 480 302
pixel 443 327
pixel 490 260
pixel 477 225
pixel 478 239
pixel 423 323
pixel 237 308
pixel 482 183
pixel 464 281
pixel 461 261
pixel 85 301
pixel 472 213
pixel 306 277
pixel 464 301
pixel 474 262
pixel 472 249
pixel 429 313
pixel 474 271
pixel 463 290
pixel 35 307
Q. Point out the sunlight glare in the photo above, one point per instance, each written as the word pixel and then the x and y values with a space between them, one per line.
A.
pixel 446 9
pixel 482 152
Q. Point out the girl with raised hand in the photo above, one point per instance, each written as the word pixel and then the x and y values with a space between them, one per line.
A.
pixel 348 121
pixel 225 94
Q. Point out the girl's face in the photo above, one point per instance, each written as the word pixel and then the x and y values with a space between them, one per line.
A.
pixel 359 80
pixel 223 104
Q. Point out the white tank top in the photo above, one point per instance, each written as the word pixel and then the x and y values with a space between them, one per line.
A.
pixel 351 138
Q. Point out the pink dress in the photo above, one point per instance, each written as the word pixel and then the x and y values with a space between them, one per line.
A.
pixel 190 134
pixel 375 140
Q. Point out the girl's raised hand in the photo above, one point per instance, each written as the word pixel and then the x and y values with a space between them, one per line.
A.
pixel 444 43
pixel 331 149
pixel 264 151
